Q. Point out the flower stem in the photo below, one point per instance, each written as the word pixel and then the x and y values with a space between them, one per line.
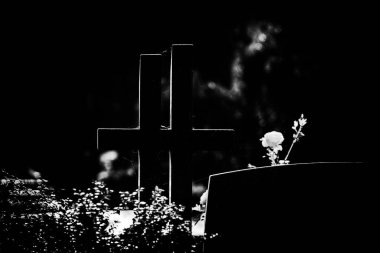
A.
pixel 286 157
pixel 294 141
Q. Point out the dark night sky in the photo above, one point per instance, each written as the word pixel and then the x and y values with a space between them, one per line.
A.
pixel 55 65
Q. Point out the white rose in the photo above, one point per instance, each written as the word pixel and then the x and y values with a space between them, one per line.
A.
pixel 272 139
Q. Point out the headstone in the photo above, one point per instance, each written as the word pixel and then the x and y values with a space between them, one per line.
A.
pixel 295 208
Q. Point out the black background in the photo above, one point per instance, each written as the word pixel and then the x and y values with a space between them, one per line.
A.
pixel 63 68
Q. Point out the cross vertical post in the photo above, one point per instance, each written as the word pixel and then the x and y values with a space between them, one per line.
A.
pixel 181 82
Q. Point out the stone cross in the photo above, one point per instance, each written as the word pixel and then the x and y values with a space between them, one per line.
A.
pixel 179 139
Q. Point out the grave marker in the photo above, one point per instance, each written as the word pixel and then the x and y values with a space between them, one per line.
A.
pixel 180 138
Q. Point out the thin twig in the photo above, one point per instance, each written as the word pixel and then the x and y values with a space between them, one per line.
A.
pixel 294 141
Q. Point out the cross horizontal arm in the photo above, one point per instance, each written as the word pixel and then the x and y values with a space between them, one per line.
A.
pixel 134 138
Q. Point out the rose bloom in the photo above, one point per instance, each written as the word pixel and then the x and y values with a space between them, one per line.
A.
pixel 272 139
